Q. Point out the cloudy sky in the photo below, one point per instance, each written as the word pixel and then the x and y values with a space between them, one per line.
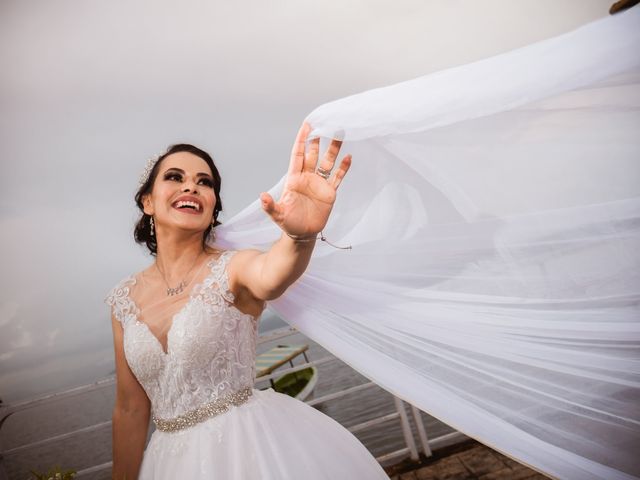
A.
pixel 90 89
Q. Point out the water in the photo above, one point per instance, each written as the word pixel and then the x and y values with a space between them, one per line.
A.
pixel 85 450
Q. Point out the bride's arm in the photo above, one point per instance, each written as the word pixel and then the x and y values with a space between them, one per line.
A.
pixel 267 275
pixel 130 420
pixel 302 210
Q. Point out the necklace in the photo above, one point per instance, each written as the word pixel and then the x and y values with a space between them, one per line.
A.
pixel 182 284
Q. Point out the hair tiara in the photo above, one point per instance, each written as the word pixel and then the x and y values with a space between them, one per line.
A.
pixel 147 169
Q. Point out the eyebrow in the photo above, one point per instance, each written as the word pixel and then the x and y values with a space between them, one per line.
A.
pixel 200 174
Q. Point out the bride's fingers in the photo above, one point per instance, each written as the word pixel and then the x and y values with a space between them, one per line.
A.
pixel 297 162
pixel 313 151
pixel 269 206
pixel 329 158
pixel 341 172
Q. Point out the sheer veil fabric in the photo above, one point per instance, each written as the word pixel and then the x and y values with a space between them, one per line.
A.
pixel 494 214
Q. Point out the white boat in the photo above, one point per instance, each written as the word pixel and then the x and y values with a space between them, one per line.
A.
pixel 299 384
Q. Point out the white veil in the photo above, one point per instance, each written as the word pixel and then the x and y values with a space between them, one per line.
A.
pixel 494 280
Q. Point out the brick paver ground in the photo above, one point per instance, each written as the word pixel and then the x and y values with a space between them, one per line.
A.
pixel 469 461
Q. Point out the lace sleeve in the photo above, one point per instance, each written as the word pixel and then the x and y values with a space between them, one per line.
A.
pixel 122 306
pixel 223 280
pixel 223 277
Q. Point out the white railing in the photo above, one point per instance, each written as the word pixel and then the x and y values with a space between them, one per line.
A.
pixel 410 450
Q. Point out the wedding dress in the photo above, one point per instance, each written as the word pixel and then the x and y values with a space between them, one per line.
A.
pixel 210 421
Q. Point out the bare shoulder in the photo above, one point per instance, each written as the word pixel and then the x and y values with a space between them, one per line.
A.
pixel 241 257
pixel 240 262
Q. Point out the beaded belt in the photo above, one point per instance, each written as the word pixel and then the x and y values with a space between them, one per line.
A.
pixel 203 412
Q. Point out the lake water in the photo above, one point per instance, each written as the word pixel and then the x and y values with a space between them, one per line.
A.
pixel 83 410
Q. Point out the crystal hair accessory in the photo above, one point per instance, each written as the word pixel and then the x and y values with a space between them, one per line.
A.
pixel 147 170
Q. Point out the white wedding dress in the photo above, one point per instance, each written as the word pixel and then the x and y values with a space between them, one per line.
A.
pixel 210 356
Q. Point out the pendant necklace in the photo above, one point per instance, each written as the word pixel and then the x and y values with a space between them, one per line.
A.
pixel 182 284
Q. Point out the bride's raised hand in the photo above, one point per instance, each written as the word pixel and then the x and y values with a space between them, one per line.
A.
pixel 307 197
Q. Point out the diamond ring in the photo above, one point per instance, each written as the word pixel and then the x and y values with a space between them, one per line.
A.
pixel 323 173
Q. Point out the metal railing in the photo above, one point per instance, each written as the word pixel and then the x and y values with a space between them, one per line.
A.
pixel 410 450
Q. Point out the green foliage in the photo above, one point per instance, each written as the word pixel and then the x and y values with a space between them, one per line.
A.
pixel 55 473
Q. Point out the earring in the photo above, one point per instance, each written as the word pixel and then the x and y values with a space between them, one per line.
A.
pixel 151 226
pixel 212 230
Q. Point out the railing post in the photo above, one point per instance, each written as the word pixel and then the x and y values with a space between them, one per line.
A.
pixel 406 429
pixel 422 432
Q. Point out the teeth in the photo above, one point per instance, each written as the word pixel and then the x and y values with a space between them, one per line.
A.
pixel 183 203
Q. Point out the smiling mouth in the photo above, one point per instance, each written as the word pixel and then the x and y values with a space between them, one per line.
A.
pixel 188 206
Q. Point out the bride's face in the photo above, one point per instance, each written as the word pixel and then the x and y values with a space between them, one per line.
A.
pixel 182 196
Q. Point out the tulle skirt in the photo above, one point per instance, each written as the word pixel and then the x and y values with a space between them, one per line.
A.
pixel 271 436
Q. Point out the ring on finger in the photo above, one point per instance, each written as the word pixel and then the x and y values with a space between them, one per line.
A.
pixel 323 173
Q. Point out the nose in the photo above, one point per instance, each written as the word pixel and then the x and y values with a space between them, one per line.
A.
pixel 190 186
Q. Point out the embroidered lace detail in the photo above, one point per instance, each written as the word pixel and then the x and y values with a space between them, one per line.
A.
pixel 123 307
pixel 211 345
pixel 219 278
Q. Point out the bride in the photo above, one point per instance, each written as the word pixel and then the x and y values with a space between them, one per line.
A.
pixel 185 333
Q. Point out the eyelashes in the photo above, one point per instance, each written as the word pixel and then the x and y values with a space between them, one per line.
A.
pixel 175 176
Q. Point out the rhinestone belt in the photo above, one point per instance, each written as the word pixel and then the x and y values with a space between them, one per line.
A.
pixel 203 412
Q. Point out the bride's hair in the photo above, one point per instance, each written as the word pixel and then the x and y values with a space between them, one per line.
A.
pixel 142 231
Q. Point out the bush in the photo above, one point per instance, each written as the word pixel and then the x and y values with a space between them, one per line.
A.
pixel 55 473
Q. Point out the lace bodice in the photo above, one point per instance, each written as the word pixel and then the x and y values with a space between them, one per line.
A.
pixel 211 345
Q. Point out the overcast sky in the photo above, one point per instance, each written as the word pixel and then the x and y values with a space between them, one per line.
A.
pixel 91 89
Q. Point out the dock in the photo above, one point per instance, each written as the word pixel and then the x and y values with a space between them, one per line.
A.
pixel 467 461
